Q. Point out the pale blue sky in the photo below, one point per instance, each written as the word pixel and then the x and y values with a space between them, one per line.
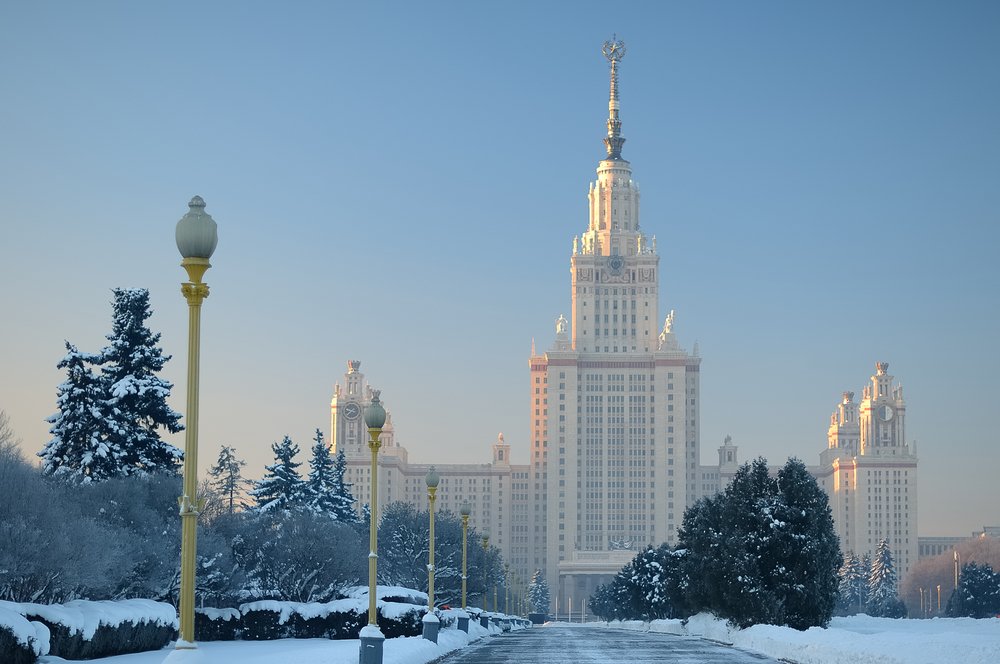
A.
pixel 400 183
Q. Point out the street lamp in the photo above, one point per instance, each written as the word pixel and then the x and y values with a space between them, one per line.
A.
pixel 372 638
pixel 506 588
pixel 431 623
pixel 466 510
pixel 197 236
pixel 483 620
pixel 958 561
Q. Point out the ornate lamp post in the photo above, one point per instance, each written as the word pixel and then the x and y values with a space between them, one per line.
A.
pixel 506 588
pixel 197 236
pixel 483 620
pixel 958 561
pixel 430 621
pixel 463 618
pixel 372 638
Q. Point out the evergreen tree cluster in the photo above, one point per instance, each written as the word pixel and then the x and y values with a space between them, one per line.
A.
pixel 322 492
pixel 120 538
pixel 762 551
pixel 108 423
pixel 978 593
pixel 870 585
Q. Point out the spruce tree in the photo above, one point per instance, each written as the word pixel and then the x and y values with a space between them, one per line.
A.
pixel 227 476
pixel 320 486
pixel 136 398
pixel 978 593
pixel 538 592
pixel 79 449
pixel 851 585
pixel 343 498
pixel 882 598
pixel 281 488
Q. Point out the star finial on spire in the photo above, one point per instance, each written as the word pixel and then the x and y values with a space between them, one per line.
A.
pixel 614 51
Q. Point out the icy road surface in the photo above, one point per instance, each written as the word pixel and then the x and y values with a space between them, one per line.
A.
pixel 578 644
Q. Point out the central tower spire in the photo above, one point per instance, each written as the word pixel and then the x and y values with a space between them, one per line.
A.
pixel 614 51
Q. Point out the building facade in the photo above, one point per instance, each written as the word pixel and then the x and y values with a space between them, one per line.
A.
pixel 614 413
pixel 869 472
pixel 496 491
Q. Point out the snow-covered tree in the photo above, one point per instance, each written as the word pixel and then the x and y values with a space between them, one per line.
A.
pixel 320 485
pixel 79 449
pixel 343 498
pixel 135 396
pixel 227 477
pixel 978 593
pixel 882 594
pixel 853 586
pixel 763 551
pixel 538 593
pixel 281 488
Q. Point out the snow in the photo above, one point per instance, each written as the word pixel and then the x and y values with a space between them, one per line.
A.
pixel 219 614
pixel 381 592
pixel 402 650
pixel 14 621
pixel 852 640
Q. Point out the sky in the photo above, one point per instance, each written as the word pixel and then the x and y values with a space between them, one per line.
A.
pixel 400 183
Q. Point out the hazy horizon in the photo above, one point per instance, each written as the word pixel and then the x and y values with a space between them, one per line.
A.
pixel 400 184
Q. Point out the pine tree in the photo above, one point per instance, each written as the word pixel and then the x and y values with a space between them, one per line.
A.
pixel 343 498
pixel 136 398
pixel 538 592
pixel 978 593
pixel 228 476
pixel 78 449
pixel 882 598
pixel 281 488
pixel 320 486
pixel 852 585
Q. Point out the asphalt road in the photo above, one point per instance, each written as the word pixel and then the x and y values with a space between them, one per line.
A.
pixel 579 644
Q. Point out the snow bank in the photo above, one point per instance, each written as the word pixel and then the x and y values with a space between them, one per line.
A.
pixel 308 610
pixel 852 640
pixel 408 595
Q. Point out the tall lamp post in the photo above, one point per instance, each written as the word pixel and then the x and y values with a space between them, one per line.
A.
pixel 506 588
pixel 430 621
pixel 463 618
pixel 483 620
pixel 958 561
pixel 197 236
pixel 372 638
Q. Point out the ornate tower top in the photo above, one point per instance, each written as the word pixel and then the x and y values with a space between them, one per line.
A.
pixel 881 368
pixel 614 51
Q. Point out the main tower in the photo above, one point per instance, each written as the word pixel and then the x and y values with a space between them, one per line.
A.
pixel 614 401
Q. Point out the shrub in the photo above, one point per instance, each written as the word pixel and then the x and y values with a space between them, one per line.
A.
pixel 217 624
pixel 19 642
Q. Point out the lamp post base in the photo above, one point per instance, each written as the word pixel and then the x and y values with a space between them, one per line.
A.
pixel 431 627
pixel 372 641
pixel 484 620
pixel 463 622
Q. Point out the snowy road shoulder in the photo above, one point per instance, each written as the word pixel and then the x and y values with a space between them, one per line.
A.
pixel 852 640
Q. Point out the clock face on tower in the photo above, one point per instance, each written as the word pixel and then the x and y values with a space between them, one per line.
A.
pixel 884 413
pixel 352 411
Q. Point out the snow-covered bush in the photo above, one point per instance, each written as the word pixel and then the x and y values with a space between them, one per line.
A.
pixel 19 638
pixel 86 630
pixel 217 624
pixel 339 619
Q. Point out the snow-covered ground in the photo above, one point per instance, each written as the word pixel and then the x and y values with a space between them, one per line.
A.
pixel 853 640
pixel 405 650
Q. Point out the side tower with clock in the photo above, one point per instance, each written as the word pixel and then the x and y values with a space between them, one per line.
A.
pixel 869 472
pixel 347 428
pixel 614 410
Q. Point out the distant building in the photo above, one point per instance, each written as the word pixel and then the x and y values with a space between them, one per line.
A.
pixel 869 472
pixel 497 491
pixel 615 400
